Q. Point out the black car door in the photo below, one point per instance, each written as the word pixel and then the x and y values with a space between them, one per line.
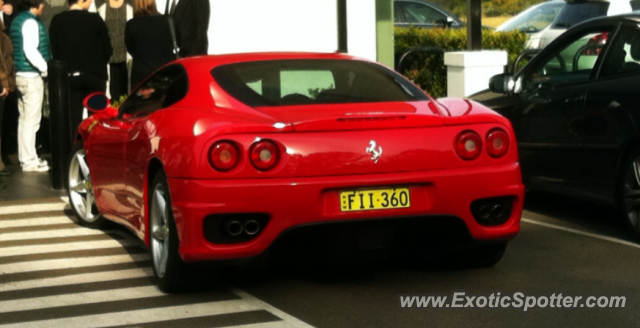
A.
pixel 547 119
pixel 611 109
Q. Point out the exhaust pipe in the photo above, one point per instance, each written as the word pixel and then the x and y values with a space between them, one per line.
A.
pixel 497 212
pixel 252 227
pixel 233 228
pixel 485 212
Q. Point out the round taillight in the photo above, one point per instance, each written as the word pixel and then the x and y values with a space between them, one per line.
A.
pixel 223 155
pixel 497 143
pixel 264 155
pixel 468 145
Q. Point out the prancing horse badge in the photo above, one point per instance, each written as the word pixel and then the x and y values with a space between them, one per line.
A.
pixel 375 153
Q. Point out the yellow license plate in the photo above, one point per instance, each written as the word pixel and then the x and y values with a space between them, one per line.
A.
pixel 379 199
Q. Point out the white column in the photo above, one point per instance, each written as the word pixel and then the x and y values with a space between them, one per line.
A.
pixel 469 71
pixel 274 25
pixel 361 28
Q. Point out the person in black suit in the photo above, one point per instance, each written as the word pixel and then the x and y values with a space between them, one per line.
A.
pixel 192 23
pixel 82 40
pixel 148 40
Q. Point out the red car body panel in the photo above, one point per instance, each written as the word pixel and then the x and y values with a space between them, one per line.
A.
pixel 322 152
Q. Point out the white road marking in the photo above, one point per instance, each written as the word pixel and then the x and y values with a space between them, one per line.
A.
pixel 284 316
pixel 13 209
pixel 77 279
pixel 580 232
pixel 80 298
pixel 145 316
pixel 66 247
pixel 79 231
pixel 71 299
pixel 35 222
pixel 70 263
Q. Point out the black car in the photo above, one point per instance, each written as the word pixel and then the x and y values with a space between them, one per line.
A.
pixel 424 14
pixel 575 109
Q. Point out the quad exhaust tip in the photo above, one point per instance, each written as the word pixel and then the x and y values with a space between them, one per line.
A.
pixel 492 211
pixel 252 227
pixel 233 228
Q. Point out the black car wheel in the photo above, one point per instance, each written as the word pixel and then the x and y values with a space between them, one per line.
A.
pixel 80 190
pixel 629 193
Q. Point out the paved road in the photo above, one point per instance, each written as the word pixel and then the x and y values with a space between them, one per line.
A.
pixel 56 274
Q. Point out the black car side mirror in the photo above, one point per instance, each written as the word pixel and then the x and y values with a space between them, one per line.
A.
pixel 446 23
pixel 501 83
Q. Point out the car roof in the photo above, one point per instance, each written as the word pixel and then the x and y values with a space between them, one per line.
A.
pixel 210 61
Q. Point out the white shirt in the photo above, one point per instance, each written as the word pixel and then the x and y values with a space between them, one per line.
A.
pixel 30 42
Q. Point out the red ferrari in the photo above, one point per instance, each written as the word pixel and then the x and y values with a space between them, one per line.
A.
pixel 224 158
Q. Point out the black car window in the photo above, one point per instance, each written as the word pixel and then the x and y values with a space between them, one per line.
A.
pixel 534 20
pixel 635 5
pixel 420 13
pixel 623 56
pixel 303 82
pixel 161 90
pixel 398 11
pixel 576 12
pixel 571 61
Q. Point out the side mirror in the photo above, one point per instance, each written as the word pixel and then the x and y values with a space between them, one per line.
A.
pixel 97 102
pixel 449 21
pixel 445 22
pixel 502 83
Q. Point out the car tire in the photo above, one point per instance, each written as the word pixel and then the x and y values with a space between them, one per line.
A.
pixel 80 190
pixel 169 268
pixel 483 256
pixel 629 193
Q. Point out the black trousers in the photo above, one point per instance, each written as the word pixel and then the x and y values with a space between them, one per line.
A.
pixel 118 80
pixel 10 124
pixel 79 88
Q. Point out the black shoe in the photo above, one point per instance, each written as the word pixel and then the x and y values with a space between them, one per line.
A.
pixel 5 173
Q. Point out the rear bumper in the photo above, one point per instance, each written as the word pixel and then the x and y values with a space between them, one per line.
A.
pixel 299 202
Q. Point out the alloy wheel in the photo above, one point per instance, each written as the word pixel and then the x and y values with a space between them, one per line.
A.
pixel 81 194
pixel 159 230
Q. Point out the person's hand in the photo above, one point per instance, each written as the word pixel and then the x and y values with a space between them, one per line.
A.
pixel 7 9
pixel 4 93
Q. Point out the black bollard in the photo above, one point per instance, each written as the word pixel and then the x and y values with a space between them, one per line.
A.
pixel 59 122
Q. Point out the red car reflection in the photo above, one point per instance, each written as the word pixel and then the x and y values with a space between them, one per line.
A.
pixel 229 158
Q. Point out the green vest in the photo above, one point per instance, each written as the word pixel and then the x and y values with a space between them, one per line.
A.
pixel 21 62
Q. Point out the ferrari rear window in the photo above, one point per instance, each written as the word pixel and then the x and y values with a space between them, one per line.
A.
pixel 303 81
